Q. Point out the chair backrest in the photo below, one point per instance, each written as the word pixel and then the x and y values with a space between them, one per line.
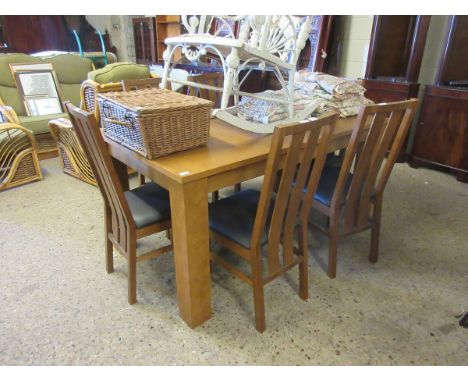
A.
pixel 209 79
pixel 218 25
pixel 142 83
pixel 95 148
pixel 301 171
pixel 89 90
pixel 282 36
pixel 379 129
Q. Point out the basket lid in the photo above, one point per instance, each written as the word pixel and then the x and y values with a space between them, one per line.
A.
pixel 147 101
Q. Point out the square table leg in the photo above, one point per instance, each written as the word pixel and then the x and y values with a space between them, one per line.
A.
pixel 122 173
pixel 189 214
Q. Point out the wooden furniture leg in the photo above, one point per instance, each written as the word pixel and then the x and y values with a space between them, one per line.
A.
pixel 189 211
pixel 375 230
pixel 122 173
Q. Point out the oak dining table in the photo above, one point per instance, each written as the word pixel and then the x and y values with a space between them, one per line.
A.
pixel 231 156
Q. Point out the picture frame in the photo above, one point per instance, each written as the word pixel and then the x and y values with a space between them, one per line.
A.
pixel 38 87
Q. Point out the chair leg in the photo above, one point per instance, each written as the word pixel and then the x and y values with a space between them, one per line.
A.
pixel 131 263
pixel 215 196
pixel 109 245
pixel 259 301
pixel 375 231
pixel 304 264
pixel 109 256
pixel 142 179
pixel 169 234
pixel 333 247
pixel 237 187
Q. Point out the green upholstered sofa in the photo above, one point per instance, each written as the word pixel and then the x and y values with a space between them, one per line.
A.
pixel 119 71
pixel 71 71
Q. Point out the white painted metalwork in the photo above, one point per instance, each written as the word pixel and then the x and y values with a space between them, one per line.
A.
pixel 264 43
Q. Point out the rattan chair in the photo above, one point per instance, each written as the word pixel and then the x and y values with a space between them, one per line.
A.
pixel 19 162
pixel 350 196
pixel 129 215
pixel 72 156
pixel 248 220
pixel 89 90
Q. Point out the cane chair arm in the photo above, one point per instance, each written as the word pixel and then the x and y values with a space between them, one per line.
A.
pixel 72 156
pixel 8 114
pixel 29 133
pixel 19 163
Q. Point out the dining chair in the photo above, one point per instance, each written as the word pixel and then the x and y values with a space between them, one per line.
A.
pixel 350 193
pixel 247 221
pixel 142 83
pixel 214 80
pixel 129 215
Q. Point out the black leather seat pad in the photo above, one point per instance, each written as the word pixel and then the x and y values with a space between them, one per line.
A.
pixel 234 217
pixel 148 204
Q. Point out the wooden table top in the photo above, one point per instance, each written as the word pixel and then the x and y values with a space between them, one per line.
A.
pixel 228 148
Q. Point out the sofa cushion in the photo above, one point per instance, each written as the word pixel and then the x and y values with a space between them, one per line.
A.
pixel 70 92
pixel 70 68
pixel 39 124
pixel 6 77
pixel 11 97
pixel 8 90
pixel 119 71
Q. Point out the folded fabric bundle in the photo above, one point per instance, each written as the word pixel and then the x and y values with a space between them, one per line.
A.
pixel 347 108
pixel 337 94
pixel 263 111
pixel 339 87
pixel 336 86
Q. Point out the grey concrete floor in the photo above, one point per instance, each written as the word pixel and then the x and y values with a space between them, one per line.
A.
pixel 60 307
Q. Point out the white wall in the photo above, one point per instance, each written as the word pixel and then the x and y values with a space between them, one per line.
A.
pixel 357 33
pixel 433 50
pixel 121 33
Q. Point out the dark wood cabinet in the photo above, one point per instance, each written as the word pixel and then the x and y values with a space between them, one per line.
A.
pixel 395 54
pixel 441 137
pixel 315 53
pixel 144 34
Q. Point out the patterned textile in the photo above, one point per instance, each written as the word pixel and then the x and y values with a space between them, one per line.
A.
pixel 338 94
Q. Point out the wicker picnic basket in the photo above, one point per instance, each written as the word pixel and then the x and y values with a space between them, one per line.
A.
pixel 155 122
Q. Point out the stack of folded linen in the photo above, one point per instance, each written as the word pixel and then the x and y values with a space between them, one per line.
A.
pixel 263 111
pixel 337 94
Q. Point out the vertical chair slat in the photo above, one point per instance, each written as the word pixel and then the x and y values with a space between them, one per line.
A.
pixel 362 168
pixel 387 135
pixel 282 200
pixel 296 197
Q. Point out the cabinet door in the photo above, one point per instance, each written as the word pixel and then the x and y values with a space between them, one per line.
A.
pixel 144 36
pixel 441 131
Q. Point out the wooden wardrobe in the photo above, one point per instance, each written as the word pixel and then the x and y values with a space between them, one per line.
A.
pixel 441 137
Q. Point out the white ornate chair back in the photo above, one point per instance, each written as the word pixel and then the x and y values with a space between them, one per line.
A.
pixel 282 36
pixel 202 24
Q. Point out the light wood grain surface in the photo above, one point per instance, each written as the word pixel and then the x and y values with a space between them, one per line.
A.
pixel 231 156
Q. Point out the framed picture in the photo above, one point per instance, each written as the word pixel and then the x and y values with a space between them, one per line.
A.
pixel 37 85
